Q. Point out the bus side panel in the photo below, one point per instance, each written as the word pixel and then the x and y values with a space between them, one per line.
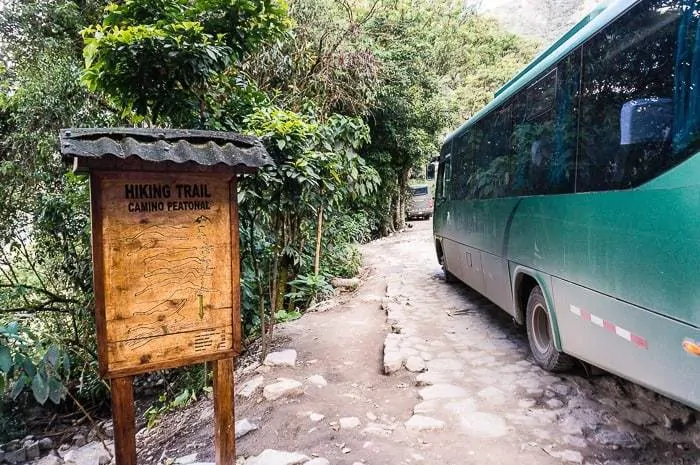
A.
pixel 465 263
pixel 497 281
pixel 639 345
pixel 639 245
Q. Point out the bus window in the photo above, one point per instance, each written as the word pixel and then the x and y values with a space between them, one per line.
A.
pixel 446 179
pixel 627 87
pixel 430 172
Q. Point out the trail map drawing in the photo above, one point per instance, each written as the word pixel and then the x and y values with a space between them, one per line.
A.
pixel 181 273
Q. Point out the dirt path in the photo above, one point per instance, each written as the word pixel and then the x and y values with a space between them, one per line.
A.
pixel 478 400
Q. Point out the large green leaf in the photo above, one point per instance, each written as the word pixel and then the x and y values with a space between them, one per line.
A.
pixel 17 389
pixel 5 359
pixel 40 388
pixel 56 391
pixel 52 355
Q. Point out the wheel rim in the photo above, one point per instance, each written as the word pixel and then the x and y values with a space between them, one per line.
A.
pixel 541 332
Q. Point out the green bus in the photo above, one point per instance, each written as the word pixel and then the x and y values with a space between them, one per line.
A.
pixel 572 200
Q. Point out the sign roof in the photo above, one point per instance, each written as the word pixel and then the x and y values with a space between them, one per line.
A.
pixel 206 148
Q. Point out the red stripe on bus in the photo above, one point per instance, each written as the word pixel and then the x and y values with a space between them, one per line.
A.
pixel 609 325
pixel 640 341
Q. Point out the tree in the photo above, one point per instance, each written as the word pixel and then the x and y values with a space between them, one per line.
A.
pixel 439 64
pixel 316 166
pixel 160 58
pixel 46 304
pixel 324 61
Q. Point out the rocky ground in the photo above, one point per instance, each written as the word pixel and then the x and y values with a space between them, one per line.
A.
pixel 412 370
pixel 461 389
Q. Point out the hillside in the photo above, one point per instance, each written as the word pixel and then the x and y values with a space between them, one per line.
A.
pixel 544 20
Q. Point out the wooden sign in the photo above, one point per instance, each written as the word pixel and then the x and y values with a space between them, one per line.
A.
pixel 166 269
pixel 166 259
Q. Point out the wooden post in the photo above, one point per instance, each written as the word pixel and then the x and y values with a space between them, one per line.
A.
pixel 124 424
pixel 224 436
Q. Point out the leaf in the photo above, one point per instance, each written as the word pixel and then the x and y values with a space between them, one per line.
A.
pixel 52 355
pixel 17 389
pixel 12 329
pixel 56 391
pixel 28 366
pixel 182 399
pixel 40 389
pixel 5 360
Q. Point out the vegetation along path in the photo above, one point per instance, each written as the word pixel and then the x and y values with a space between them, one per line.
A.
pixel 462 387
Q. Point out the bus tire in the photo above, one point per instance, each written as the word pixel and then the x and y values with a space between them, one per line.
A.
pixel 540 335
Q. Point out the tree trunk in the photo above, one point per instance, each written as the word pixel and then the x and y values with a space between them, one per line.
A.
pixel 319 231
pixel 400 204
pixel 281 287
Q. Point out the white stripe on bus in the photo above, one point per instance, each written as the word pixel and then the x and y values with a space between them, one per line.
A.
pixel 596 320
pixel 623 333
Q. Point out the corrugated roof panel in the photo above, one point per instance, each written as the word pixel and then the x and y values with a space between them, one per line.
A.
pixel 166 145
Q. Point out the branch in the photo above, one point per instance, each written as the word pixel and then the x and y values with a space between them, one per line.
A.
pixel 369 14
pixel 44 308
pixel 54 298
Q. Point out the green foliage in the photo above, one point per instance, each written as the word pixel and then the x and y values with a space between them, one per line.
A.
pixel 342 234
pixel 309 289
pixel 317 168
pixel 166 404
pixel 159 58
pixel 284 316
pixel 324 60
pixel 28 363
pixel 46 303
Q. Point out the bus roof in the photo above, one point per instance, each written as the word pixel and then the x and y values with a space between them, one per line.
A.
pixel 578 34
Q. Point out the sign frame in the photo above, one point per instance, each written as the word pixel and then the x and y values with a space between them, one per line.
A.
pixel 120 153
pixel 102 289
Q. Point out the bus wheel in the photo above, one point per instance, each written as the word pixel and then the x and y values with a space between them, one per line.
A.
pixel 539 333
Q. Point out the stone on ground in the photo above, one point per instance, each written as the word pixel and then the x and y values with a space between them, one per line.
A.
pixel 486 425
pixel 429 378
pixel 251 386
pixel 283 388
pixel 244 427
pixel 415 364
pixel 349 422
pixel 315 417
pixel 50 460
pixel 186 459
pixel 492 395
pixel 93 453
pixel 377 429
pixel 283 358
pixel 277 457
pixel 318 461
pixel 422 423
pixel 428 406
pixel 442 391
pixel 317 380
pixel 570 456
pixel 393 361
